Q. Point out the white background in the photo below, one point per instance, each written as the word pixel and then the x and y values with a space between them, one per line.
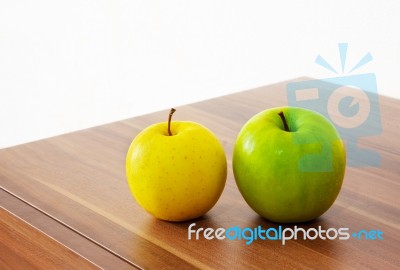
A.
pixel 68 65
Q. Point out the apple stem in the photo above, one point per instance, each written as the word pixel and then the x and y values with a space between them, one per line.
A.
pixel 284 121
pixel 171 112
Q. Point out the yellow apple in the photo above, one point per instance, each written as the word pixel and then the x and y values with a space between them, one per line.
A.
pixel 176 170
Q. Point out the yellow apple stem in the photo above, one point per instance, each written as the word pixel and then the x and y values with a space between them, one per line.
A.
pixel 171 112
pixel 284 121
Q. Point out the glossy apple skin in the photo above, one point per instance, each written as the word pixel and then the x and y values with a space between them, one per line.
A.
pixel 289 177
pixel 178 177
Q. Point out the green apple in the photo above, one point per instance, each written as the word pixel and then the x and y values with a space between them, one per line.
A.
pixel 176 170
pixel 289 164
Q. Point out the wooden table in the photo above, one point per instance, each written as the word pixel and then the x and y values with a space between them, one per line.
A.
pixel 66 203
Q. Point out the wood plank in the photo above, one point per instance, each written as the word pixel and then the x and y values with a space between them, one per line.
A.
pixel 24 247
pixel 56 231
pixel 79 179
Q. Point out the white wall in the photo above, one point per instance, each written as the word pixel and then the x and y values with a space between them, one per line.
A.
pixel 68 65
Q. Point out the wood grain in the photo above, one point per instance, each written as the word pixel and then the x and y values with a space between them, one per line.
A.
pixel 61 233
pixel 79 180
pixel 24 247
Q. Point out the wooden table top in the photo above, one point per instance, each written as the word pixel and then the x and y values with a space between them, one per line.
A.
pixel 65 202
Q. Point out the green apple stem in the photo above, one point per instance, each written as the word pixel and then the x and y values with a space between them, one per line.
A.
pixel 284 121
pixel 171 112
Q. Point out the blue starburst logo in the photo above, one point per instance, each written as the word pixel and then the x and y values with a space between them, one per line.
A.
pixel 343 55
